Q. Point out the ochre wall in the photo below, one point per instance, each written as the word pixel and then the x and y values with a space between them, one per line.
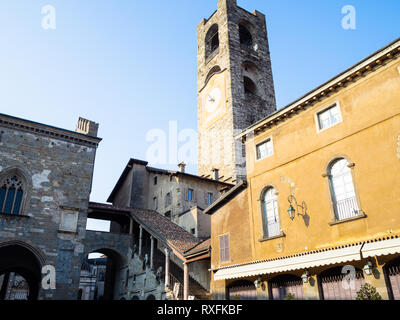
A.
pixel 368 136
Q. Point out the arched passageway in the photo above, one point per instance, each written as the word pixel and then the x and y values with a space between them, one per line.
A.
pixel 20 273
pixel 100 275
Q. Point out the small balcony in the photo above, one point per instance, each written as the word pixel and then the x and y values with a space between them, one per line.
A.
pixel 347 209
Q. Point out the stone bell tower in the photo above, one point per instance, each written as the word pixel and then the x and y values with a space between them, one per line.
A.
pixel 235 86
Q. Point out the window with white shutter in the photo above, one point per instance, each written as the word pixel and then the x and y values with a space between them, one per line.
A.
pixel 224 248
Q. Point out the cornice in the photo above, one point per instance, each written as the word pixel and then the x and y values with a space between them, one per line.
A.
pixel 351 75
pixel 10 122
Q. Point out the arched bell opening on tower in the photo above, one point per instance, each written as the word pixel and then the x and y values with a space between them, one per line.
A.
pixel 246 39
pixel 249 86
pixel 251 80
pixel 212 41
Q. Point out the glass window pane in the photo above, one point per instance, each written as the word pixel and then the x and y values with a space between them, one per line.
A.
pixel 9 200
pixel 18 201
pixel 264 149
pixel 329 117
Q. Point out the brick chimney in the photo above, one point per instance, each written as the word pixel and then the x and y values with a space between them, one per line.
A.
pixel 181 167
pixel 87 127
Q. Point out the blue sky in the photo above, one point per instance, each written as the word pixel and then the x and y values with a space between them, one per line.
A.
pixel 131 65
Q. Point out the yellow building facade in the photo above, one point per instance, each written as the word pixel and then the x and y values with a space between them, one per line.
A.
pixel 319 215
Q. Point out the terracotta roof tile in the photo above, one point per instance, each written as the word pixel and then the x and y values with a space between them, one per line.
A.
pixel 166 230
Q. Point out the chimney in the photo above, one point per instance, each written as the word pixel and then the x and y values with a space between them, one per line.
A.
pixel 182 167
pixel 215 174
pixel 87 127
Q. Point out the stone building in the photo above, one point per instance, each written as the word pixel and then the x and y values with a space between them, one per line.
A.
pixel 167 205
pixel 177 195
pixel 323 232
pixel 45 183
pixel 235 86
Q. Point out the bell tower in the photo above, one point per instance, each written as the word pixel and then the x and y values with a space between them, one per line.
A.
pixel 235 86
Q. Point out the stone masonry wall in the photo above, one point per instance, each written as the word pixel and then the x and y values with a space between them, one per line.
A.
pixel 58 176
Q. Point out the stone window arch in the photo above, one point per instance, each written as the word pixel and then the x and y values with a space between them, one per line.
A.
pixel 212 40
pixel 245 36
pixel 343 192
pixel 13 190
pixel 249 86
pixel 252 81
pixel 270 213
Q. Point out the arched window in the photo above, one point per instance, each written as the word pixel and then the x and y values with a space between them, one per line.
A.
pixel 212 40
pixel 11 194
pixel 270 213
pixel 342 187
pixel 249 86
pixel 246 39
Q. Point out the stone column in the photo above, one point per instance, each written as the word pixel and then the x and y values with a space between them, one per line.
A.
pixel 166 251
pixel 140 240
pixel 185 281
pixel 151 252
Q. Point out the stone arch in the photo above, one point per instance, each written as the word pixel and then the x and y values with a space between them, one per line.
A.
pixel 246 31
pixel 252 82
pixel 22 259
pixel 151 297
pixel 19 172
pixel 115 264
pixel 212 40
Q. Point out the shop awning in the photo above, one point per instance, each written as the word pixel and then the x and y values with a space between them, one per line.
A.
pixel 304 261
pixel 381 248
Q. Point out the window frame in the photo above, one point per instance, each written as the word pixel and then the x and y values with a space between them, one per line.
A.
pixel 208 198
pixel 27 185
pixel 265 235
pixel 155 203
pixel 324 109
pixel 190 191
pixel 326 175
pixel 228 260
pixel 259 144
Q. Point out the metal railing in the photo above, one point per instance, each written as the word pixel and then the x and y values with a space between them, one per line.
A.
pixel 347 208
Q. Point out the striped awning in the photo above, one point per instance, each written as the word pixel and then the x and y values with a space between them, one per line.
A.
pixel 304 261
pixel 381 248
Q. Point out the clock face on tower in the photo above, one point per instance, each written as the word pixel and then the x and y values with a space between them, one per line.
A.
pixel 213 100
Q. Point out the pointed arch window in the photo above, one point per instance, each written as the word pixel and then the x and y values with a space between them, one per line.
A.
pixel 343 192
pixel 270 210
pixel 11 195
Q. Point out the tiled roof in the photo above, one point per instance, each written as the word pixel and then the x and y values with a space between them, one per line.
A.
pixel 203 246
pixel 166 230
